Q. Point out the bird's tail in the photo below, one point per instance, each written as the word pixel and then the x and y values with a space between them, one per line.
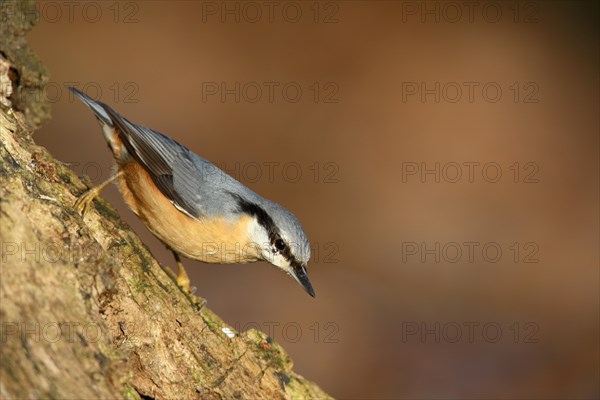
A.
pixel 97 107
pixel 110 123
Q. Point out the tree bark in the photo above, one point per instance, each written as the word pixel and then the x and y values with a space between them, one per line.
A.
pixel 85 310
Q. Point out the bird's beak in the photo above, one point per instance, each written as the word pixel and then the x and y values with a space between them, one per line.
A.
pixel 299 274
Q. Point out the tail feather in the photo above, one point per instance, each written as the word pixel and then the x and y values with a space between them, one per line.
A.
pixel 109 126
pixel 96 106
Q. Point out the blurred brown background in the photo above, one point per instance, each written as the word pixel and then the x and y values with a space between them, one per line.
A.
pixel 395 316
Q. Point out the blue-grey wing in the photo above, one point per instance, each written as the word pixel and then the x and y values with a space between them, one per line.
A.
pixel 164 159
pixel 194 185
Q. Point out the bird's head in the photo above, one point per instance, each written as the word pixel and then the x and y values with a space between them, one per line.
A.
pixel 279 239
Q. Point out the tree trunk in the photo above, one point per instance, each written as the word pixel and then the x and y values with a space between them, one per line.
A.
pixel 85 310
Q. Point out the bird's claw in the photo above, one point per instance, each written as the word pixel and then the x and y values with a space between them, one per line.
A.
pixel 83 201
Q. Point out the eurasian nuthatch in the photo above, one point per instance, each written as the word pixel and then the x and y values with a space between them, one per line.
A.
pixel 195 208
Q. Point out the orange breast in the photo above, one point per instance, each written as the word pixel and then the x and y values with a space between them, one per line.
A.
pixel 210 240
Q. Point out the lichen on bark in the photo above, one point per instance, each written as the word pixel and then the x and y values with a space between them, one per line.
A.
pixel 85 309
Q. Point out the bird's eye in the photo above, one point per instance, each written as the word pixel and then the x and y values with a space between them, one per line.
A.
pixel 280 244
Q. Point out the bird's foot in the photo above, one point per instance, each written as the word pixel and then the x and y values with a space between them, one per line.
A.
pixel 85 199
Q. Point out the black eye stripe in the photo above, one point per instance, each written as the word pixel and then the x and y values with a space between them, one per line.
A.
pixel 261 215
pixel 265 220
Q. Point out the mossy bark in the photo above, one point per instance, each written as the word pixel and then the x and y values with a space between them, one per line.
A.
pixel 85 310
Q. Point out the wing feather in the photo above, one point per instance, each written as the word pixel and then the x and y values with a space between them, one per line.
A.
pixel 194 185
pixel 157 154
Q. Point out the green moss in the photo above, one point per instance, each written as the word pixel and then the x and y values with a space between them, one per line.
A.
pixel 213 322
pixel 130 393
pixel 139 285
pixel 142 255
pixel 106 210
pixel 197 377
pixel 274 359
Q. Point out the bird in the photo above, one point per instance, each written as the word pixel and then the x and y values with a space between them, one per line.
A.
pixel 197 210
